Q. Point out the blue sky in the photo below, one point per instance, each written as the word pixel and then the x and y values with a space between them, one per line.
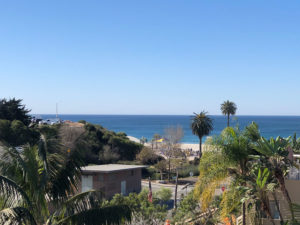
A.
pixel 151 57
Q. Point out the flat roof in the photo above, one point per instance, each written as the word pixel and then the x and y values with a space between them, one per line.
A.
pixel 106 168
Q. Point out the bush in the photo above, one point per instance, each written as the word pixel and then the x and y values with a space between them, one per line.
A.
pixel 150 172
pixel 108 156
pixel 15 133
pixel 147 156
pixel 108 146
pixel 185 171
pixel 187 208
pixel 164 194
pixel 143 212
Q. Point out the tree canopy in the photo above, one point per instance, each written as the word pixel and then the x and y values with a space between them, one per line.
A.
pixel 253 169
pixel 228 108
pixel 36 183
pixel 13 109
pixel 201 126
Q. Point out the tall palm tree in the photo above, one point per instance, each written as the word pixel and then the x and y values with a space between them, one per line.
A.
pixel 201 126
pixel 37 182
pixel 228 108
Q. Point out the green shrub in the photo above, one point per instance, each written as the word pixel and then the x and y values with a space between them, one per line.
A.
pixel 150 172
pixel 185 171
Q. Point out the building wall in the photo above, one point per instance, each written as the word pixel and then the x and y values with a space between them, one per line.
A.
pixel 110 183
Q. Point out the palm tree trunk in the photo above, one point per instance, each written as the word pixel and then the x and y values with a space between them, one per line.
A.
pixel 228 119
pixel 200 148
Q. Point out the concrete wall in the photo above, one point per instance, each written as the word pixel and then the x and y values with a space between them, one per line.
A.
pixel 110 183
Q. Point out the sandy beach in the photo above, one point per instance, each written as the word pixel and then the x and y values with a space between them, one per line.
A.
pixel 184 146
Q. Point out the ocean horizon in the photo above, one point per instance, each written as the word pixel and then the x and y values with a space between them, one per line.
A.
pixel 147 125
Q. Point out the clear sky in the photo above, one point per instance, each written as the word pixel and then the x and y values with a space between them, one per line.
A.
pixel 151 56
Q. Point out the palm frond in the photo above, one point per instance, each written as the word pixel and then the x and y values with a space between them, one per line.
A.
pixel 66 176
pixel 113 215
pixel 83 201
pixel 16 216
pixel 12 193
pixel 201 124
pixel 86 208
pixel 11 162
pixel 42 150
pixel 228 107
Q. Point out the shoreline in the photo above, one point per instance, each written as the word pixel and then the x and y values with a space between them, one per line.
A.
pixel 184 146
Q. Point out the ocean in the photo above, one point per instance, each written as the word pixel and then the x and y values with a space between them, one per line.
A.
pixel 146 125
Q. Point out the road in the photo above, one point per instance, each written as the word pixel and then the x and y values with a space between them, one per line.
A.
pixel 180 189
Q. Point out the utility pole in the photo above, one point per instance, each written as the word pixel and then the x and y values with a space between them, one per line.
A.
pixel 175 200
pixel 56 110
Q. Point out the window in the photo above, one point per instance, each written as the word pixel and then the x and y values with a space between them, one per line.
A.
pixel 132 172
pixel 100 177
pixel 123 187
pixel 87 183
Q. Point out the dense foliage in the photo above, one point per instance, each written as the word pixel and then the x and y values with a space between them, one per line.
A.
pixel 188 209
pixel 143 211
pixel 252 169
pixel 106 146
pixel 15 133
pixel 147 156
pixel 40 169
pixel 13 109
pixel 36 183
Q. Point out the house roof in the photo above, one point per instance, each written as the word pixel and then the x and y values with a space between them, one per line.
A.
pixel 107 168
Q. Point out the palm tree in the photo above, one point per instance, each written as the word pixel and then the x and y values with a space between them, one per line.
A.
pixel 156 137
pixel 143 140
pixel 228 108
pixel 201 126
pixel 37 182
